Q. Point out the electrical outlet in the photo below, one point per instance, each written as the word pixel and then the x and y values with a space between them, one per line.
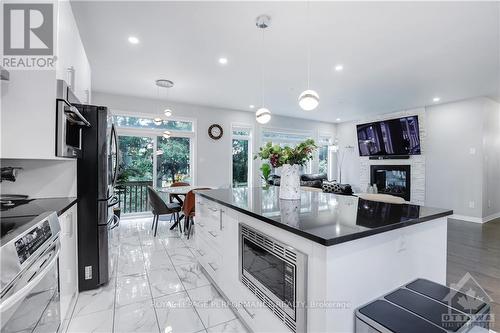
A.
pixel 472 204
pixel 489 203
pixel 88 272
pixel 472 151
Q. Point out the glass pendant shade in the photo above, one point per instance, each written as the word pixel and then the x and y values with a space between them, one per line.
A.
pixel 167 134
pixel 158 121
pixel 167 112
pixel 308 100
pixel 263 116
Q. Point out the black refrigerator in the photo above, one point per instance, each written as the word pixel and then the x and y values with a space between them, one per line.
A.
pixel 97 171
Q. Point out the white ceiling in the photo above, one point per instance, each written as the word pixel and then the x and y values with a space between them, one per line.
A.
pixel 396 55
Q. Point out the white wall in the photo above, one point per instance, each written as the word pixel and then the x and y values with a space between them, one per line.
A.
pixel 213 158
pixel 42 178
pixel 462 157
pixel 491 158
pixel 454 157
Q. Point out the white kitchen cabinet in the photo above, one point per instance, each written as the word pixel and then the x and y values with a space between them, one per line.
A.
pixel 68 261
pixel 71 54
pixel 28 101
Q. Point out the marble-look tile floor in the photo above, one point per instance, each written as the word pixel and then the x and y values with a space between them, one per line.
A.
pixel 156 286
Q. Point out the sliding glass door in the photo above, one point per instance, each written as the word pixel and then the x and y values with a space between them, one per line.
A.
pixel 135 172
pixel 173 161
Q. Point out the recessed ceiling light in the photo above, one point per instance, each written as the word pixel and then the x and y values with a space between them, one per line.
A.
pixel 436 99
pixel 339 68
pixel 133 40
pixel 251 106
pixel 338 119
pixel 222 61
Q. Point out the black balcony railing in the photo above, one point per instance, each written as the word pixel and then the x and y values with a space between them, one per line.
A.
pixel 133 196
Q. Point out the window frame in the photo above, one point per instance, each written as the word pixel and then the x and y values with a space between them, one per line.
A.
pixel 330 138
pixel 249 137
pixel 154 133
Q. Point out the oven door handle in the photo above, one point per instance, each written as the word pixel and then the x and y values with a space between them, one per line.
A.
pixel 75 117
pixel 33 281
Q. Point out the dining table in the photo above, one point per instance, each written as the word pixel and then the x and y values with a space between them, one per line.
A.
pixel 178 193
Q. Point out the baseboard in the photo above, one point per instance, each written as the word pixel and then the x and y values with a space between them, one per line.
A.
pixel 466 218
pixel 475 219
pixel 491 217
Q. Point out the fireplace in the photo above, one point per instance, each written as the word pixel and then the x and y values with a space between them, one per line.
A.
pixel 392 179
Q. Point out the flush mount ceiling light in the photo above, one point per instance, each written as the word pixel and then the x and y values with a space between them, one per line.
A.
pixel 167 134
pixel 339 68
pixel 308 99
pixel 223 61
pixel 162 83
pixel 436 99
pixel 263 115
pixel 251 106
pixel 133 40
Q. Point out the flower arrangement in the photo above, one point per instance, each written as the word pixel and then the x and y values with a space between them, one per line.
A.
pixel 279 156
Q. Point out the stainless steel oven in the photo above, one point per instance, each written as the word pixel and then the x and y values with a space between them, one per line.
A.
pixel 276 273
pixel 69 123
pixel 30 300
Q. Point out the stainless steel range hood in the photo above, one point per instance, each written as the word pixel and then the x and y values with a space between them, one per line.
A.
pixel 4 74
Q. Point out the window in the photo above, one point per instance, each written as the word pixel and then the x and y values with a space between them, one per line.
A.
pixel 147 158
pixel 324 160
pixel 284 138
pixel 147 123
pixel 241 166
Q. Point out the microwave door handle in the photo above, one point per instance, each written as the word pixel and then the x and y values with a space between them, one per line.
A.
pixel 23 292
pixel 80 119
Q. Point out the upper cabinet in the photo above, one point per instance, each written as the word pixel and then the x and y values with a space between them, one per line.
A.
pixel 72 64
pixel 28 103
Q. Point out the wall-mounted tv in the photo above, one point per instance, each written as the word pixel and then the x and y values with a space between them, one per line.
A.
pixel 389 137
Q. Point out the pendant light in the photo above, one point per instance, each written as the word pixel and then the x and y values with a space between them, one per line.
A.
pixel 263 115
pixel 162 83
pixel 308 99
pixel 157 120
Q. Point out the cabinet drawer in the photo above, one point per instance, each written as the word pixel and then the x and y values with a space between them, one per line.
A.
pixel 210 259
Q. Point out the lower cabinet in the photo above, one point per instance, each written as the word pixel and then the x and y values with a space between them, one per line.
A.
pixel 68 261
pixel 216 247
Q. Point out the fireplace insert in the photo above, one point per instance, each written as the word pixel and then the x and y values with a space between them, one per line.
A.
pixel 392 179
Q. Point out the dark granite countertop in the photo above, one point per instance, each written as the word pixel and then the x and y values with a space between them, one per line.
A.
pixel 11 219
pixel 324 218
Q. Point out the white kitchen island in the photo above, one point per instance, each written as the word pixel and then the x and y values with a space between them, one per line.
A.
pixel 352 251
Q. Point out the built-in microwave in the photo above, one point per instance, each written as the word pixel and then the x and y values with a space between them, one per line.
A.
pixel 276 273
pixel 69 123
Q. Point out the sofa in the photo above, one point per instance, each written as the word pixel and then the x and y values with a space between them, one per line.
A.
pixel 316 182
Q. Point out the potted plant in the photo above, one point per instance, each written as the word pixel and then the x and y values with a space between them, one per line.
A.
pixel 290 160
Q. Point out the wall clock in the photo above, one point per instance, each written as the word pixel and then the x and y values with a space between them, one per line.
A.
pixel 215 131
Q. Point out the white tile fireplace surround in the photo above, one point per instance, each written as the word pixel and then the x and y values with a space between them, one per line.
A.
pixel 416 162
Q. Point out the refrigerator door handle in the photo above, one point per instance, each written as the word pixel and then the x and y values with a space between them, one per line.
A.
pixel 113 201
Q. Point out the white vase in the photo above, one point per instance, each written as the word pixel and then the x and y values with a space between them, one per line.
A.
pixel 290 182
pixel 290 212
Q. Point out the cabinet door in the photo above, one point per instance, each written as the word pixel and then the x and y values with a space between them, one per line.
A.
pixel 71 54
pixel 68 260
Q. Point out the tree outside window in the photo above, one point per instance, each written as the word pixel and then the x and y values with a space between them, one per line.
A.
pixel 173 161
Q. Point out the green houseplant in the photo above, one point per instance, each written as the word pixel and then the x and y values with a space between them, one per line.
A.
pixel 289 159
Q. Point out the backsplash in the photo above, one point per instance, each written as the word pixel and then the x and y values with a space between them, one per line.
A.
pixel 42 178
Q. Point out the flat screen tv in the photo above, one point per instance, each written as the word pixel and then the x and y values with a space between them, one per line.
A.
pixel 389 137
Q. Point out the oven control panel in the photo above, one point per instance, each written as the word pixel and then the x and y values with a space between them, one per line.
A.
pixel 32 240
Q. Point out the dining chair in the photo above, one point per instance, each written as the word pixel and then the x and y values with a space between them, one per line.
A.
pixel 176 196
pixel 188 209
pixel 160 207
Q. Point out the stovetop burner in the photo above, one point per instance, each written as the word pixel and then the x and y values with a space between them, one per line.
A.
pixel 9 204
